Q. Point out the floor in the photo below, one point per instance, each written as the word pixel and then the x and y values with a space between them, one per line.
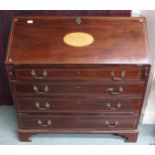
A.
pixel 8 134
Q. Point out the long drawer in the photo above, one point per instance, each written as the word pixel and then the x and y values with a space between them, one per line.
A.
pixel 33 88
pixel 86 72
pixel 106 122
pixel 77 104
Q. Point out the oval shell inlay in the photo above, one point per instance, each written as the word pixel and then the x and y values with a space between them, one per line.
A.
pixel 78 39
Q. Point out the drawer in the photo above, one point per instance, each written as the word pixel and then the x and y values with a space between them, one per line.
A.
pixel 115 89
pixel 106 122
pixel 104 73
pixel 77 105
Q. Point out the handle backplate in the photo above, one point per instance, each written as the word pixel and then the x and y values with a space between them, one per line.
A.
pixel 114 91
pixel 111 124
pixel 34 74
pixel 118 106
pixel 46 107
pixel 48 123
pixel 37 91
pixel 122 75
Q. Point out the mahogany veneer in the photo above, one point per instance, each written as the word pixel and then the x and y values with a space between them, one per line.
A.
pixel 98 88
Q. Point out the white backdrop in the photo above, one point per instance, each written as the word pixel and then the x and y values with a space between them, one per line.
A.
pixel 149 112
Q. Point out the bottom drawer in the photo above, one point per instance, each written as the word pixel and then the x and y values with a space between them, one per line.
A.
pixel 106 122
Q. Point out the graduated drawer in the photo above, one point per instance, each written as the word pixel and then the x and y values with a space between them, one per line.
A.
pixel 115 73
pixel 106 122
pixel 112 89
pixel 77 105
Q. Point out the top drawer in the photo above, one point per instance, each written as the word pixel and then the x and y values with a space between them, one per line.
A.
pixel 85 73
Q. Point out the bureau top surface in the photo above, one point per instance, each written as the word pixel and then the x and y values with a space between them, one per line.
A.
pixel 56 40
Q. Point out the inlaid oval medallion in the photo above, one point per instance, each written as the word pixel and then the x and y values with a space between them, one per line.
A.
pixel 78 39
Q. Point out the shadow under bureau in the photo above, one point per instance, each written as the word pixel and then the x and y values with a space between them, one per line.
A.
pixel 78 74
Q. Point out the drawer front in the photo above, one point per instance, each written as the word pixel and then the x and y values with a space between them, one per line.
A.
pixel 105 73
pixel 108 122
pixel 77 105
pixel 134 89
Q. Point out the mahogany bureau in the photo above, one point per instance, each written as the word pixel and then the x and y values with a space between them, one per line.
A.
pixel 78 74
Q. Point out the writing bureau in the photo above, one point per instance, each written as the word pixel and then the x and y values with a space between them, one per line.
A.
pixel 78 74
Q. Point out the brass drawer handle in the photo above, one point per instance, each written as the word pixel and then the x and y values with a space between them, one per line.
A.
pixel 118 106
pixel 111 125
pixel 122 75
pixel 45 90
pixel 47 106
pixel 112 91
pixel 44 75
pixel 48 123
